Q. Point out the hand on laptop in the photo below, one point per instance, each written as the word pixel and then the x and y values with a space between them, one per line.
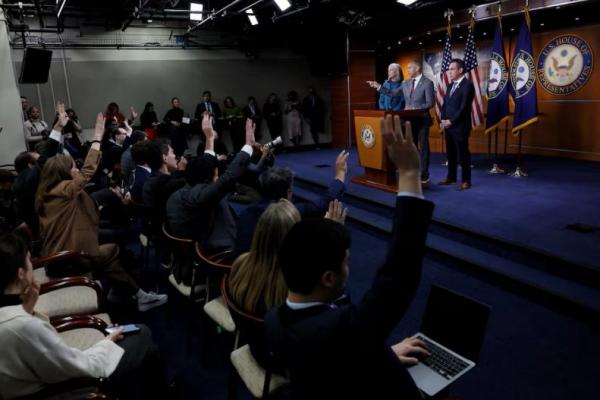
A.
pixel 410 350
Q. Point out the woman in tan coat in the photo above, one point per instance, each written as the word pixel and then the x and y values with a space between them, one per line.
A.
pixel 69 216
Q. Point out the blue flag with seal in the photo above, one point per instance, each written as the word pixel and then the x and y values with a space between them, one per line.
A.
pixel 497 90
pixel 522 79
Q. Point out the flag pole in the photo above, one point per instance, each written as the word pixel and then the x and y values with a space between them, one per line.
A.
pixel 519 172
pixel 448 14
pixel 495 167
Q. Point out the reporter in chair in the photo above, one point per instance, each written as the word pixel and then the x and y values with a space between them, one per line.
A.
pixel 33 355
pixel 339 351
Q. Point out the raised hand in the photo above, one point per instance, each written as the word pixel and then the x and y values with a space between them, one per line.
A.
pixel 63 118
pixel 337 212
pixel 250 128
pixel 99 127
pixel 207 127
pixel 400 145
pixel 132 113
pixel 403 153
pixel 341 165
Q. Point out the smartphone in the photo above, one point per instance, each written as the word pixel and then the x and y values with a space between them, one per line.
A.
pixel 127 329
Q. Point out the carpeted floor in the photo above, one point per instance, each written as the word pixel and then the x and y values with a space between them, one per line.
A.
pixel 532 211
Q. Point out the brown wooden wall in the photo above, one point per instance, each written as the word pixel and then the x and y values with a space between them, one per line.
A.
pixel 569 125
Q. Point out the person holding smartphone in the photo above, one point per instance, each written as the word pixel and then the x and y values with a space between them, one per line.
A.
pixel 33 355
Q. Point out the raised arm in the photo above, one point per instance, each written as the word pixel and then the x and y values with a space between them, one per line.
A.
pixel 396 281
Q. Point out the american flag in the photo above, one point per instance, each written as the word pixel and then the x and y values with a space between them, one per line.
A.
pixel 473 75
pixel 443 80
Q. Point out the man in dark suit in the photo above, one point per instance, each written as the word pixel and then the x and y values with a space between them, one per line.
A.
pixel 209 106
pixel 277 183
pixel 334 351
pixel 313 109
pixel 456 122
pixel 199 210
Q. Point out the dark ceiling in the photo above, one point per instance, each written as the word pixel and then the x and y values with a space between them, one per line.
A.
pixel 375 23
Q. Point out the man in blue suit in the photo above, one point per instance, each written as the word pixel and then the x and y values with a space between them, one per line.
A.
pixel 456 122
pixel 340 351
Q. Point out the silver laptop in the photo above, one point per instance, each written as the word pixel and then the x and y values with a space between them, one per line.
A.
pixel 453 328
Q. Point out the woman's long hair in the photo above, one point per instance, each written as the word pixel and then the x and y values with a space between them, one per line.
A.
pixel 56 170
pixel 256 275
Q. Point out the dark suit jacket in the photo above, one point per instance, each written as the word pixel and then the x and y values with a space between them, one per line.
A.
pixel 192 210
pixel 340 352
pixel 201 108
pixel 457 108
pixel 249 217
pixel 136 183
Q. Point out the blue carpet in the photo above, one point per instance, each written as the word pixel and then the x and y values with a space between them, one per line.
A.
pixel 530 351
pixel 532 211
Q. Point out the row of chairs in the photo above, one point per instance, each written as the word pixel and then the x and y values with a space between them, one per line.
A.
pixel 210 276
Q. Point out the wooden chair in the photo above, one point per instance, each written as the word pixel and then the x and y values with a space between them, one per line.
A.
pixel 260 381
pixel 185 275
pixel 62 264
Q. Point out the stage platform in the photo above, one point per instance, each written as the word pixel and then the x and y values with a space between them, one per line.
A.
pixel 513 227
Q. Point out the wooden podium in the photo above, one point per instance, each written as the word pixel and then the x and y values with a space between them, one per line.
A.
pixel 380 172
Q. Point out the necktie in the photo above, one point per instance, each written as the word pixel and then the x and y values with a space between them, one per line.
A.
pixel 412 88
pixel 454 86
pixel 208 107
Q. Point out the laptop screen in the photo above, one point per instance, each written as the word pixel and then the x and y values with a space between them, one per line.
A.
pixel 455 321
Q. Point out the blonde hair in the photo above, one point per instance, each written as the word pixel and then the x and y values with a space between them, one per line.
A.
pixel 256 276
pixel 56 170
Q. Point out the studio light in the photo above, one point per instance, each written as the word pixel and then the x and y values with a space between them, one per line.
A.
pixel 252 17
pixel 407 2
pixel 196 10
pixel 283 4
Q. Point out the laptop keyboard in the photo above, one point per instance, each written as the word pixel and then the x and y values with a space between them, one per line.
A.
pixel 441 361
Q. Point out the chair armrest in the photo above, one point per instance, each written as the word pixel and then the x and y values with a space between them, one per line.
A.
pixel 70 282
pixel 219 257
pixel 74 388
pixel 60 256
pixel 213 261
pixel 78 322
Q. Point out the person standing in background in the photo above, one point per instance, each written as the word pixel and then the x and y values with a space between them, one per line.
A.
pixel 313 109
pixel 294 117
pixel 272 113
pixel 393 84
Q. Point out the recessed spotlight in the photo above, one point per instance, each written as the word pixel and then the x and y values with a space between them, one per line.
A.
pixel 512 29
pixel 389 47
pixel 421 43
pixel 576 18
pixel 460 37
pixel 149 21
pixel 410 38
pixel 439 40
pixel 429 33
pixel 484 33
pixel 283 4
pixel 541 24
pixel 399 41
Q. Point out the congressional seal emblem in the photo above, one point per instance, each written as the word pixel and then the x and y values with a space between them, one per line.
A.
pixel 367 136
pixel 565 65
pixel 498 75
pixel 522 73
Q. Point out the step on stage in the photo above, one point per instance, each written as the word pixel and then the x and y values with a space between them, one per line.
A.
pixel 514 227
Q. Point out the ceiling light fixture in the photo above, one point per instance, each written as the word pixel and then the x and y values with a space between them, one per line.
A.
pixel 252 17
pixel 196 11
pixel 407 2
pixel 283 4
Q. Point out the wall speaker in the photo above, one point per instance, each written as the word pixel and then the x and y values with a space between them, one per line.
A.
pixel 35 66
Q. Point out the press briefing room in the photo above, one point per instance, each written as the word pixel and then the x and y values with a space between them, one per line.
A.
pixel 299 199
